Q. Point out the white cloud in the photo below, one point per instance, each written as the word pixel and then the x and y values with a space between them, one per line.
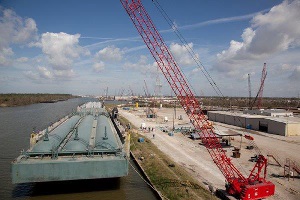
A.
pixel 14 30
pixel 22 59
pixel 32 75
pixel 182 55
pixel 287 67
pixel 110 53
pixel 5 54
pixel 5 79
pixel 137 48
pixel 142 66
pixel 214 21
pixel 196 70
pixel 100 44
pixel 174 26
pixel 64 74
pixel 295 76
pixel 39 73
pixel 61 49
pixel 245 76
pixel 274 32
pixel 99 66
pixel 27 32
pixel 45 73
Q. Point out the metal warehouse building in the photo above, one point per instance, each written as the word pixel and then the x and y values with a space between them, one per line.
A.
pixel 285 126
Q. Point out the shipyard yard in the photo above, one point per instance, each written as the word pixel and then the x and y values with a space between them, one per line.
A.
pixel 194 158
pixel 136 99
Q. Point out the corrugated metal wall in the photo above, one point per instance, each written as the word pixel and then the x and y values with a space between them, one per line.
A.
pixel 258 124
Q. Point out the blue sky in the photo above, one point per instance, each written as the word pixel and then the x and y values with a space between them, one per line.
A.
pixel 83 47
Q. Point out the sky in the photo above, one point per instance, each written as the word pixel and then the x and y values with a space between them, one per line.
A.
pixel 84 47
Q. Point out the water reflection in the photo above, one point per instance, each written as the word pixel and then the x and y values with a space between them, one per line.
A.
pixel 64 187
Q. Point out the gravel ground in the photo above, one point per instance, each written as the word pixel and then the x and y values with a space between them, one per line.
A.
pixel 194 157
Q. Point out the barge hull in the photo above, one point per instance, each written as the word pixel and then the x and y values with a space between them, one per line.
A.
pixel 45 171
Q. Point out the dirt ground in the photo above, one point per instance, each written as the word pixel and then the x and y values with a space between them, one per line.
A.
pixel 192 156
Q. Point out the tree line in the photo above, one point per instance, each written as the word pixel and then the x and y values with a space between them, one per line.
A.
pixel 8 100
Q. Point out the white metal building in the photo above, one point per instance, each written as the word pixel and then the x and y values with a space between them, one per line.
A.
pixel 270 112
pixel 285 126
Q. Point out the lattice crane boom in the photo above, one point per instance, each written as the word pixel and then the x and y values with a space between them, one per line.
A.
pixel 249 89
pixel 261 88
pixel 259 94
pixel 237 183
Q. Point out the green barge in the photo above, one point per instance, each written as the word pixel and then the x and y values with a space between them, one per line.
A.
pixel 84 145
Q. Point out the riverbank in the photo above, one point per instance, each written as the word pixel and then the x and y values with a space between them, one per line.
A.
pixel 167 177
pixel 12 100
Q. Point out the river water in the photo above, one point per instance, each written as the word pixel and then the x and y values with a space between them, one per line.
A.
pixel 17 123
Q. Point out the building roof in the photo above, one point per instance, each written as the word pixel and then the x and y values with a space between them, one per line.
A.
pixel 287 120
pixel 276 111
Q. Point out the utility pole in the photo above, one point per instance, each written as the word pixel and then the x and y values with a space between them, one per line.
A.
pixel 173 123
pixel 175 108
pixel 249 89
pixel 146 87
pixel 106 95
pixel 298 99
pixel 158 87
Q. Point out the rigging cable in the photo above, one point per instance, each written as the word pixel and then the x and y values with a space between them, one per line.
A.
pixel 189 49
pixel 195 58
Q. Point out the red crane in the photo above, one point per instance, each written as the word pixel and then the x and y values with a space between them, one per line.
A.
pixel 249 89
pixel 253 187
pixel 261 88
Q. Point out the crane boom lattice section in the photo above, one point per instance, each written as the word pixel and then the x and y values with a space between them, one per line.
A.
pixel 253 187
pixel 180 87
pixel 261 88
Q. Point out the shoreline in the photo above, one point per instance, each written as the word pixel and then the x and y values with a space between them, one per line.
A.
pixel 15 100
pixel 145 176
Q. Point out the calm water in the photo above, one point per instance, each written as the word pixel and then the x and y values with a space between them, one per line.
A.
pixel 16 125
